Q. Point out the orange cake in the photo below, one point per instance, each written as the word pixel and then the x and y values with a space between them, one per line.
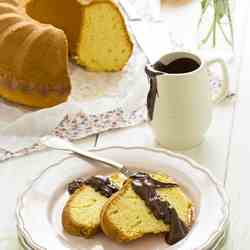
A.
pixel 96 31
pixel 33 59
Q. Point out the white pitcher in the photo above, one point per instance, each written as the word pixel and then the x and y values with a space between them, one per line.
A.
pixel 182 110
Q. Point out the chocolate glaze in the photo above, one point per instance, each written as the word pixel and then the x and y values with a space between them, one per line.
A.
pixel 75 184
pixel 101 184
pixel 178 66
pixel 153 91
pixel 145 187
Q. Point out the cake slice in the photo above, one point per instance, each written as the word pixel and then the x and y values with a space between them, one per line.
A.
pixel 125 216
pixel 81 214
pixel 97 34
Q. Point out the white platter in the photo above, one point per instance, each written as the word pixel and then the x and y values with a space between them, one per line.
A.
pixel 39 207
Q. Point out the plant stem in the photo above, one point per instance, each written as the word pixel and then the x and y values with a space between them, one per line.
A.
pixel 214 29
pixel 231 26
pixel 209 33
pixel 225 35
pixel 220 11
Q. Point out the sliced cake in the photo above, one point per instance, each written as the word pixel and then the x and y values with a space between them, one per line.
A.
pixel 147 205
pixel 81 214
pixel 96 30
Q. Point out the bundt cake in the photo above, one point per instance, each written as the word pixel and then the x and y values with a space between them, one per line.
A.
pixel 96 31
pixel 126 216
pixel 81 214
pixel 33 59
pixel 34 55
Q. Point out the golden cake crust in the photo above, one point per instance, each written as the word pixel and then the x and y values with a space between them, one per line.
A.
pixel 33 59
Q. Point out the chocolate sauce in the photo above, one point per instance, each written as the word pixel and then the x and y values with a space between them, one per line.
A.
pixel 145 187
pixel 178 66
pixel 101 184
pixel 75 184
pixel 153 91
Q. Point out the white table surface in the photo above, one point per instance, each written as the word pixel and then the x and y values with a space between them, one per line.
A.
pixel 224 151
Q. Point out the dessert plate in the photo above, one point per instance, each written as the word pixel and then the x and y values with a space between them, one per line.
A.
pixel 217 246
pixel 39 208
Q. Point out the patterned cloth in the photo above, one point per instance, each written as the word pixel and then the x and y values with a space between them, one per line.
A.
pixel 81 125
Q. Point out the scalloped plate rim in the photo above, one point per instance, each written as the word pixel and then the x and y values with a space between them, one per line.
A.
pixel 212 238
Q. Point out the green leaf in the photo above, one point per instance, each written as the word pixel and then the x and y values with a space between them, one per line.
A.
pixel 220 8
pixel 204 4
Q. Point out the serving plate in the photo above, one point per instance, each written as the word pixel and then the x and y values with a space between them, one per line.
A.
pixel 39 208
pixel 217 245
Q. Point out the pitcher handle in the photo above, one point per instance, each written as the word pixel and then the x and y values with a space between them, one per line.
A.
pixel 225 81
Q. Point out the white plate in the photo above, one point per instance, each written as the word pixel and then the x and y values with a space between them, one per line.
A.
pixel 40 206
pixel 217 245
